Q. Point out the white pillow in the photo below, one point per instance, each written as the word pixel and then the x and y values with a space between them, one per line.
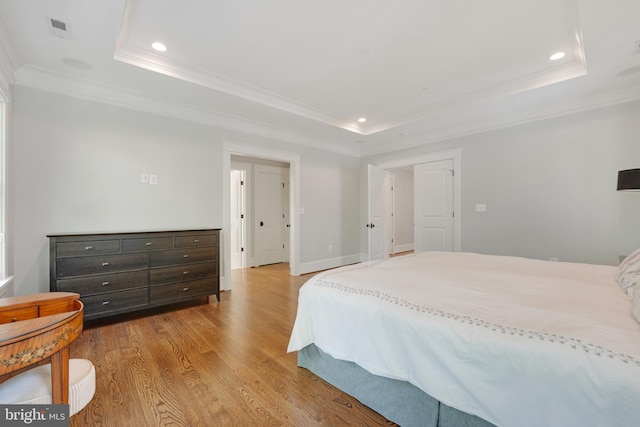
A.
pixel 628 275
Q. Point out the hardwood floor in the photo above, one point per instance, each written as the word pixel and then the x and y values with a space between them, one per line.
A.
pixel 216 364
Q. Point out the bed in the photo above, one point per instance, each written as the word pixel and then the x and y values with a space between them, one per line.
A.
pixel 464 339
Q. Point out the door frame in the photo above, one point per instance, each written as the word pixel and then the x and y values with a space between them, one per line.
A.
pixel 242 196
pixel 233 148
pixel 456 156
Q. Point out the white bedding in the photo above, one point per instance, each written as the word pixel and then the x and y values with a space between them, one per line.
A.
pixel 515 341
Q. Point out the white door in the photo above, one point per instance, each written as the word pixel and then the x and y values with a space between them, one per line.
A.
pixel 433 206
pixel 269 215
pixel 376 221
pixel 237 219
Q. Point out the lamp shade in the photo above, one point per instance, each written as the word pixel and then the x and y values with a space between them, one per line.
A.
pixel 629 180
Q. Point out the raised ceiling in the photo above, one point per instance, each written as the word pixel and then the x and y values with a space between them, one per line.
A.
pixel 305 72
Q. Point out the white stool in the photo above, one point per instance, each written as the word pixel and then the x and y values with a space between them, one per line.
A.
pixel 33 387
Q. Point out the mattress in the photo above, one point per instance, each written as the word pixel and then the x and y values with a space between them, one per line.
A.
pixel 514 341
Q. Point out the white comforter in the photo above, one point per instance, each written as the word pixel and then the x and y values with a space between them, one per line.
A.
pixel 516 341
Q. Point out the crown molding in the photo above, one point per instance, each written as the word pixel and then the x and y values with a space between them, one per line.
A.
pixel 9 59
pixel 148 60
pixel 49 81
pixel 152 62
pixel 594 102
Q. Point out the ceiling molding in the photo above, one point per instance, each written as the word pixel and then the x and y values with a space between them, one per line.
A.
pixel 9 59
pixel 147 59
pixel 49 81
pixel 594 102
pixel 567 71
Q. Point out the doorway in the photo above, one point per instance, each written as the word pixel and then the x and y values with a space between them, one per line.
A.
pixel 292 204
pixel 424 186
pixel 259 212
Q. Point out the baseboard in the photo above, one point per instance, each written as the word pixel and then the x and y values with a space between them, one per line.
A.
pixel 326 264
pixel 403 248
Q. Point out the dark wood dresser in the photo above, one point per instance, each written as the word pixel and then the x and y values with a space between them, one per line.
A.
pixel 117 273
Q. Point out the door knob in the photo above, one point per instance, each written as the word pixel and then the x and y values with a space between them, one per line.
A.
pixel 261 223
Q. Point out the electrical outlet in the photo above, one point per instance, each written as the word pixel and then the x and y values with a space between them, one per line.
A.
pixel 144 179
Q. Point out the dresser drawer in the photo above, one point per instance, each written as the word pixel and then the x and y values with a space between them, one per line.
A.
pixel 103 282
pixel 99 305
pixel 182 256
pixel 79 266
pixel 162 275
pixel 149 244
pixel 17 314
pixel 195 240
pixel 184 290
pixel 88 247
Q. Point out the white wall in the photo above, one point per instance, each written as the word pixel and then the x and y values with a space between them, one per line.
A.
pixel 77 167
pixel 549 186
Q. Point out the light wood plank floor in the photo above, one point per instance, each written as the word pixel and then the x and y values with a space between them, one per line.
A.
pixel 216 364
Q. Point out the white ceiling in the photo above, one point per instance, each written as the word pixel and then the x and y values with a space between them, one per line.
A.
pixel 304 72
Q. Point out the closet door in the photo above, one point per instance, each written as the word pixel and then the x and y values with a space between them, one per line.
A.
pixel 433 206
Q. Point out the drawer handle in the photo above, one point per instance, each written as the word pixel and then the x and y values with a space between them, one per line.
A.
pixel 185 256
pixel 88 248
pixel 105 283
pixel 106 302
pixel 148 243
pixel 15 319
pixel 196 240
pixel 105 264
pixel 184 273
pixel 185 289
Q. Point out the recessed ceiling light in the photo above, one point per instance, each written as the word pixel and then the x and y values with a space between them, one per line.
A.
pixel 160 47
pixel 556 56
pixel 362 119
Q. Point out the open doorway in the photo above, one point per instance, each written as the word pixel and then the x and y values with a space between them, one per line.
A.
pixel 427 185
pixel 400 210
pixel 291 166
pixel 259 212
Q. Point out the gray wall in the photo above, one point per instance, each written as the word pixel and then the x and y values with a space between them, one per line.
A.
pixel 549 186
pixel 77 167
